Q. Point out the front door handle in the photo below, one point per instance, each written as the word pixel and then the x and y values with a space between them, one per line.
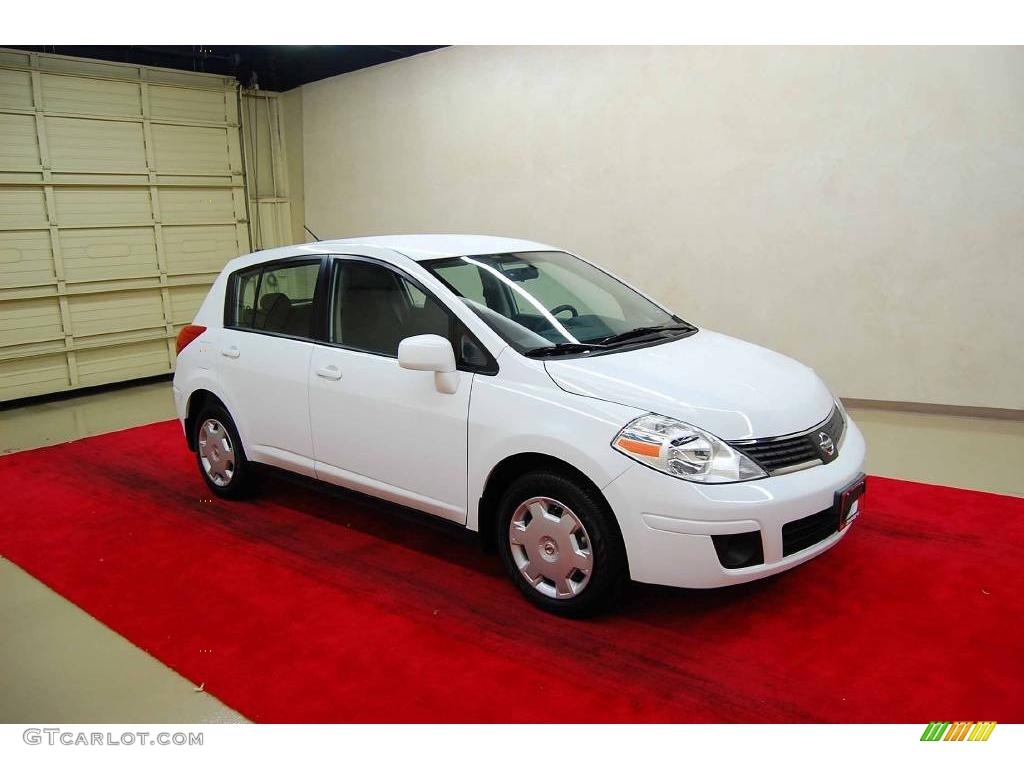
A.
pixel 231 352
pixel 329 372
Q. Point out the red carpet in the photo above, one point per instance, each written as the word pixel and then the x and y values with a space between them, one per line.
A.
pixel 303 607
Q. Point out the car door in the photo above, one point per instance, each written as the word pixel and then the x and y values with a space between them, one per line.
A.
pixel 377 427
pixel 264 359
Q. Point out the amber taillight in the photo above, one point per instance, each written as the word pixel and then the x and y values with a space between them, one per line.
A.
pixel 187 335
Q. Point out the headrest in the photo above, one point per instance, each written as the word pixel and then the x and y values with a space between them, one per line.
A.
pixel 270 300
pixel 366 277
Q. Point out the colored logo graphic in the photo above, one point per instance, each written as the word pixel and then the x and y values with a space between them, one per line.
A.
pixel 959 731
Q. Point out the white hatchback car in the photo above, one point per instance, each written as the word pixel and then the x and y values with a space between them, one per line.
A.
pixel 585 431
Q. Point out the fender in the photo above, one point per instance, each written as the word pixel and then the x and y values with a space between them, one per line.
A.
pixel 526 413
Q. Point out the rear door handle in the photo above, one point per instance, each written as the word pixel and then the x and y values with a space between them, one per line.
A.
pixel 329 372
pixel 231 352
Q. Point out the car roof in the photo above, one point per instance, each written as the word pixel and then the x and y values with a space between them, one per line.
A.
pixel 415 247
pixel 422 247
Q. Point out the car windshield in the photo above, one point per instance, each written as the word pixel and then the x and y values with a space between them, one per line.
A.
pixel 549 302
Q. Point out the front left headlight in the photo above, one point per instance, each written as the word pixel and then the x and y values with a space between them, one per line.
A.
pixel 842 409
pixel 683 450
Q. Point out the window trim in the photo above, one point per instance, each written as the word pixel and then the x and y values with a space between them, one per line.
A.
pixel 336 260
pixel 317 315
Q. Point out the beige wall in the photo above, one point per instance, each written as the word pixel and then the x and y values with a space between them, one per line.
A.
pixel 861 209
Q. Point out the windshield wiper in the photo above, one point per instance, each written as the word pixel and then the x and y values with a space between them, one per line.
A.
pixel 565 348
pixel 647 330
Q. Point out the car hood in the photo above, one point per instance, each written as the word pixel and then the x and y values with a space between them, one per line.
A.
pixel 731 388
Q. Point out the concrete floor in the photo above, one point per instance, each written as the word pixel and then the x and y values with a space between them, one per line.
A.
pixel 58 664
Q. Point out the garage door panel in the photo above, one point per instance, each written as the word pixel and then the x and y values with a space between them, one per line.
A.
pixel 97 313
pixel 202 181
pixel 26 321
pixel 91 206
pixel 185 302
pixel 63 93
pixel 22 207
pixel 187 104
pixel 102 254
pixel 196 205
pixel 205 249
pixel 26 258
pixel 78 144
pixel 121 196
pixel 15 89
pixel 28 178
pixel 190 148
pixel 36 375
pixel 19 146
pixel 122 362
pixel 100 179
pixel 88 67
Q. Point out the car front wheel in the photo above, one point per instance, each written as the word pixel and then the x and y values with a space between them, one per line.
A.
pixel 560 545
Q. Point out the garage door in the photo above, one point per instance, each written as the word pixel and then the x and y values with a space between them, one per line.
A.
pixel 122 195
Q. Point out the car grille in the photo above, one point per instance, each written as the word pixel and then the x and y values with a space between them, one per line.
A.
pixel 777 455
pixel 808 531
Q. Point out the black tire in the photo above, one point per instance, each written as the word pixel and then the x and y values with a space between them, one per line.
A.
pixel 609 571
pixel 241 482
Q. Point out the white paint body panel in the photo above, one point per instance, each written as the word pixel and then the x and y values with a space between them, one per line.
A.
pixel 521 411
pixel 267 378
pixel 668 533
pixel 733 389
pixel 388 431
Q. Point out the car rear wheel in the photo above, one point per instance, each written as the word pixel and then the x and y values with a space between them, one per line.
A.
pixel 220 455
pixel 560 545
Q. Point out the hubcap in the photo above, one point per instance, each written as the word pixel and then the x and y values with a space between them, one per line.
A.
pixel 216 452
pixel 551 547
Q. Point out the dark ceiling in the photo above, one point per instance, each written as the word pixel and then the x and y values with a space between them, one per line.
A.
pixel 271 67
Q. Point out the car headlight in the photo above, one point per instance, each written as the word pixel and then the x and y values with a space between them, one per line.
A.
pixel 682 450
pixel 841 408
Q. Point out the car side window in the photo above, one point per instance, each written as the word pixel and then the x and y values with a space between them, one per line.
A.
pixel 285 302
pixel 246 285
pixel 276 298
pixel 373 308
pixel 416 297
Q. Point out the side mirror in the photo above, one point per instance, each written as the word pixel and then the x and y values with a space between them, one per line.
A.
pixel 431 352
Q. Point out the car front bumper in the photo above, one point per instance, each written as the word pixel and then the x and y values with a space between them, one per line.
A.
pixel 667 523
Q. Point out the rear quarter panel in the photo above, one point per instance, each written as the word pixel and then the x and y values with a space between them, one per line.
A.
pixel 197 367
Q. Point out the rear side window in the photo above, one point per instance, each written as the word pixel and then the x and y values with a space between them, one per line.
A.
pixel 244 291
pixel 277 298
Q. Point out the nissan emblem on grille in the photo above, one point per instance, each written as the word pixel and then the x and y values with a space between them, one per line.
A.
pixel 826 446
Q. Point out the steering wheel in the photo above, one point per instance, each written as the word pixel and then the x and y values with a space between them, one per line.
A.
pixel 563 308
